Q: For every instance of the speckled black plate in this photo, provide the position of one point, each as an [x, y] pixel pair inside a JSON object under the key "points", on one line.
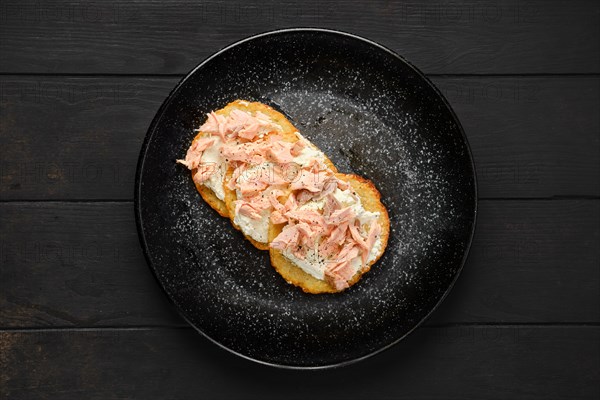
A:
{"points": [[374, 115]]}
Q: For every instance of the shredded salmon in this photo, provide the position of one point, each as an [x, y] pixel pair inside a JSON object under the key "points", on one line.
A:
{"points": [[266, 178]]}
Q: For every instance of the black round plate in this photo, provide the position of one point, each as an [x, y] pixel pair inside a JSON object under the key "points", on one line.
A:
{"points": [[374, 115]]}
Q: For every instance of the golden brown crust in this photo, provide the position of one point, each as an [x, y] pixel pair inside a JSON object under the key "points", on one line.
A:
{"points": [[207, 194], [292, 273], [370, 198], [371, 201], [287, 133], [367, 191], [230, 198], [211, 198]]}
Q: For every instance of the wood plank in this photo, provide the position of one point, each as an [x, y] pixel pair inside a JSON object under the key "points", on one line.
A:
{"points": [[71, 138], [531, 261], [79, 264], [150, 37], [480, 362], [530, 137], [76, 265], [79, 138]]}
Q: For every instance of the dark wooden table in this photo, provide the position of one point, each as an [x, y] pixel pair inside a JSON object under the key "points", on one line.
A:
{"points": [[81, 317]]}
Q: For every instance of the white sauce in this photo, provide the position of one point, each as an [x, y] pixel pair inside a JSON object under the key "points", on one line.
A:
{"points": [[316, 205], [312, 263], [376, 250], [315, 265], [257, 229], [307, 154], [348, 199], [212, 155]]}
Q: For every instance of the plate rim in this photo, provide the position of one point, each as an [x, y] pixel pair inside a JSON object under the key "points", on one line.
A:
{"points": [[158, 116]]}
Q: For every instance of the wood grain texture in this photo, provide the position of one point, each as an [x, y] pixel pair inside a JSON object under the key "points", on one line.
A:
{"points": [[71, 138], [530, 137], [151, 37], [79, 138], [81, 316], [531, 261], [449, 363], [76, 265], [80, 265]]}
